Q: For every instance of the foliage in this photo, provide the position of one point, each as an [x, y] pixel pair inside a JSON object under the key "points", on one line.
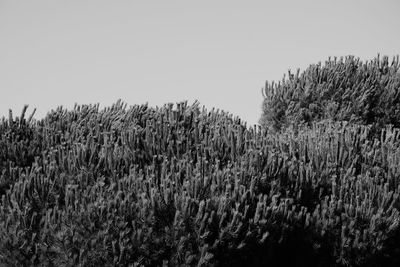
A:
{"points": [[339, 90], [183, 186]]}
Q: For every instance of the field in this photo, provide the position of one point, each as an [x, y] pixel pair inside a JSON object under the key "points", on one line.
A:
{"points": [[180, 185]]}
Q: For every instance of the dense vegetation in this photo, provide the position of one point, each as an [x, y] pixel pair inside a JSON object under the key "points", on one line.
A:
{"points": [[340, 90], [179, 185]]}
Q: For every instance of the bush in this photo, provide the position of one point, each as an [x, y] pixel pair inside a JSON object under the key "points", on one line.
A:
{"points": [[339, 90], [183, 186]]}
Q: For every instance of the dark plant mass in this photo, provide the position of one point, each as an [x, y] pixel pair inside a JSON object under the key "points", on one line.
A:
{"points": [[317, 184], [344, 89]]}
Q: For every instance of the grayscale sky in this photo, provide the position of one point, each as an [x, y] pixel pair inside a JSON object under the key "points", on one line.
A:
{"points": [[220, 52]]}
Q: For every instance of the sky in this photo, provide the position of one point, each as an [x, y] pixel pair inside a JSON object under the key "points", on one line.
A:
{"points": [[220, 53]]}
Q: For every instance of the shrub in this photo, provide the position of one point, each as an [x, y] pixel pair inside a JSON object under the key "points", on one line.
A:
{"points": [[339, 90], [183, 186]]}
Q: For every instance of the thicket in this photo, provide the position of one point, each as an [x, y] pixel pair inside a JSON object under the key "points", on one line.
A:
{"points": [[183, 186], [339, 90]]}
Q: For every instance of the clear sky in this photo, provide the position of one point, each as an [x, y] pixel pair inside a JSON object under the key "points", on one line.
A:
{"points": [[220, 52]]}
